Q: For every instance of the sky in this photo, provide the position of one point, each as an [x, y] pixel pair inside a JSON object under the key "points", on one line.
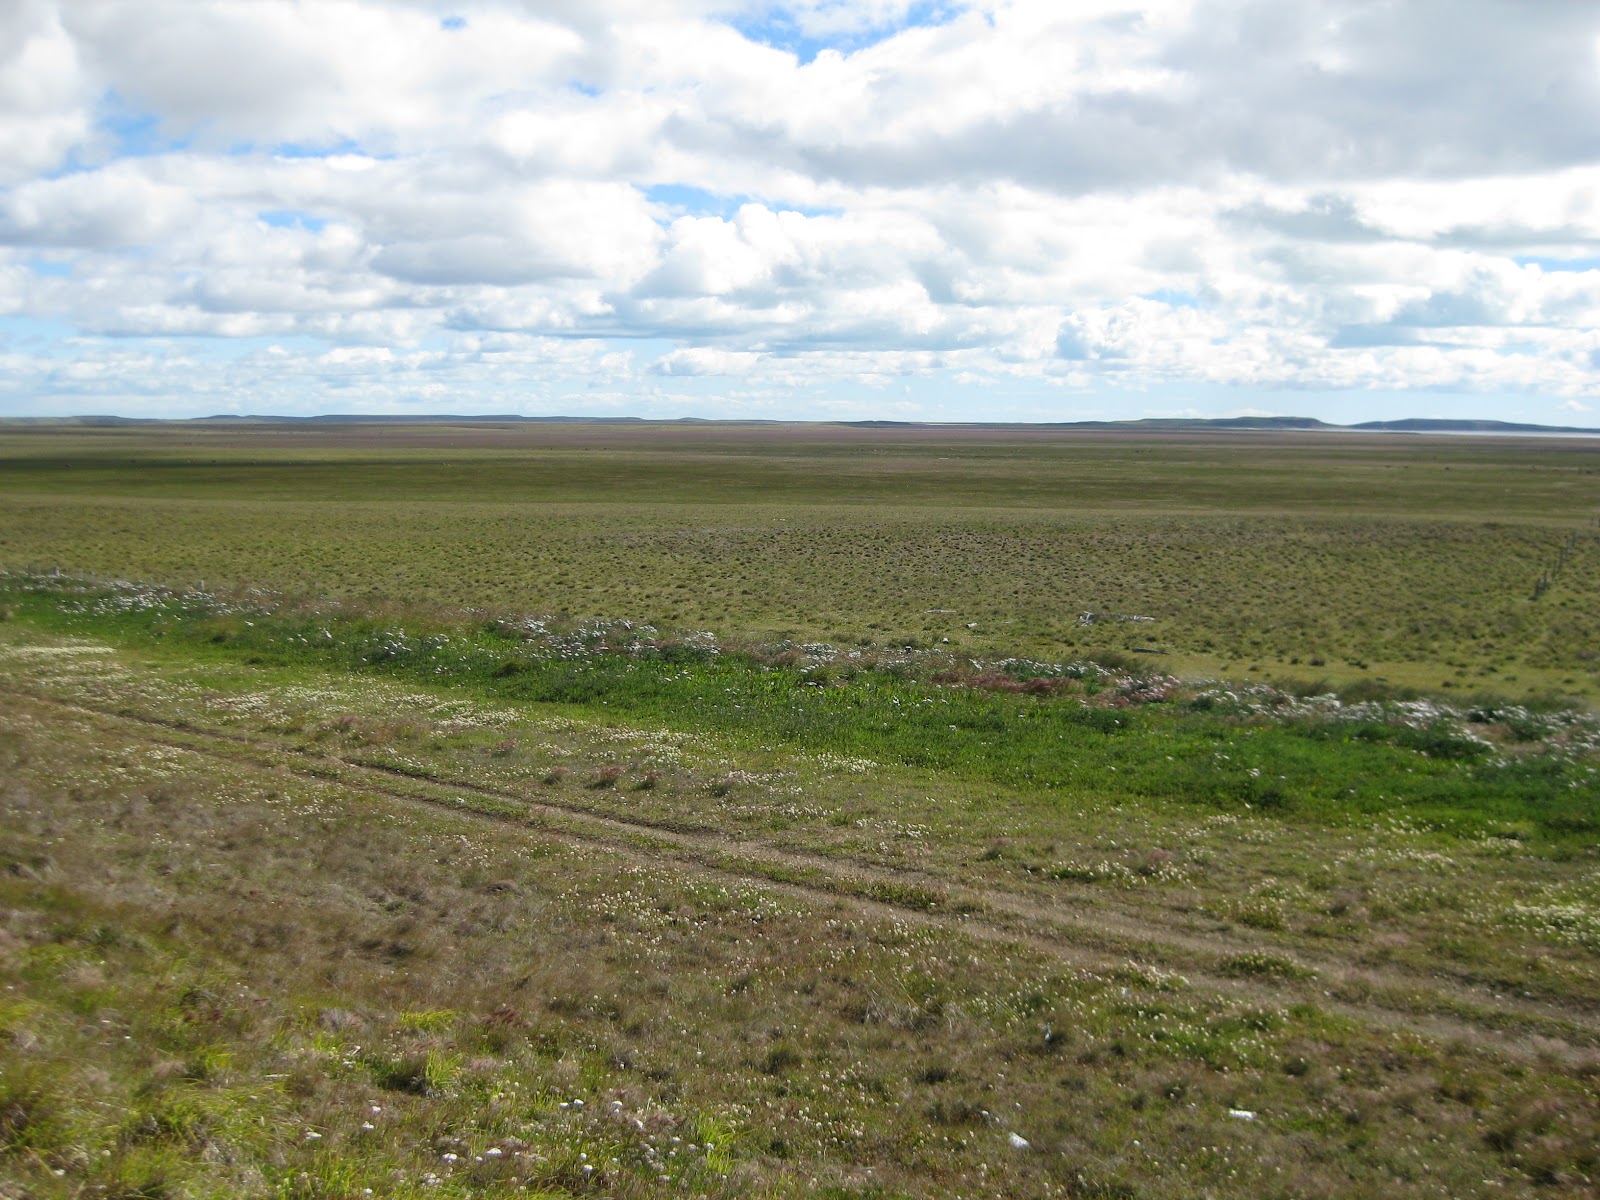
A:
{"points": [[920, 210]]}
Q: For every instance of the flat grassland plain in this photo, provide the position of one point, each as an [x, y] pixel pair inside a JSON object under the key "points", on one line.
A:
{"points": [[738, 811]]}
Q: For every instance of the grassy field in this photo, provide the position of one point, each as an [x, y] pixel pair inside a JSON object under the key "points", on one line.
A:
{"points": [[603, 811], [1313, 555]]}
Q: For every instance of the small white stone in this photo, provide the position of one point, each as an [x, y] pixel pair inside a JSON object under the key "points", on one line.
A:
{"points": [[1241, 1114], [1018, 1142]]}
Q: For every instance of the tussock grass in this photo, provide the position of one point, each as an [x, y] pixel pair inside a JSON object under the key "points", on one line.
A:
{"points": [[1409, 558], [206, 964], [306, 896]]}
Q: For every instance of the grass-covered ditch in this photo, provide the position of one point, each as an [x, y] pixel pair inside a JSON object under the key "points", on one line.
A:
{"points": [[1102, 731]]}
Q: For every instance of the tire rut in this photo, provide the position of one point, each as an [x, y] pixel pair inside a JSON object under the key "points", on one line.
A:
{"points": [[1100, 941]]}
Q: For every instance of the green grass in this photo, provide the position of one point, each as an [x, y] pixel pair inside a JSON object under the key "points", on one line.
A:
{"points": [[1410, 558], [226, 979], [497, 822], [1207, 751]]}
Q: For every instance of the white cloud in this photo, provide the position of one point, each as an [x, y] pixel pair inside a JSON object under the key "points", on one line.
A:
{"points": [[511, 234], [114, 207], [1194, 192], [703, 360], [384, 75], [44, 96]]}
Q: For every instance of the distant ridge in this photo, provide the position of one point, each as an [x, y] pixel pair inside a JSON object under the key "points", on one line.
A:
{"points": [[1178, 423], [1151, 424], [1434, 425]]}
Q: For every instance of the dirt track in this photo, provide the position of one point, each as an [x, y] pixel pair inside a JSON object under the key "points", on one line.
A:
{"points": [[1100, 935]]}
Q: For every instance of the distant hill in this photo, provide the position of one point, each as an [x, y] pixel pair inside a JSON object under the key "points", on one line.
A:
{"points": [[1178, 423], [1153, 424], [1141, 423], [1438, 425], [419, 419]]}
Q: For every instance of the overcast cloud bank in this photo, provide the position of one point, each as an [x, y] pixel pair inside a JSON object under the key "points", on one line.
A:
{"points": [[1026, 210]]}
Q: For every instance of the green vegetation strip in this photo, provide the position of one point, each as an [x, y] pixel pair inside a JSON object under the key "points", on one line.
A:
{"points": [[1077, 730]]}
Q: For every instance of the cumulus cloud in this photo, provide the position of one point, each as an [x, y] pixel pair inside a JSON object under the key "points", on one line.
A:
{"points": [[511, 234], [45, 96], [114, 207], [532, 200], [267, 71], [703, 360]]}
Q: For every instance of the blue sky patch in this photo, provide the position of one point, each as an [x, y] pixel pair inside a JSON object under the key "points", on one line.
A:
{"points": [[688, 200], [452, 23], [292, 218], [46, 333], [1590, 263], [780, 30], [49, 268], [685, 199], [138, 133], [312, 150], [1173, 299]]}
